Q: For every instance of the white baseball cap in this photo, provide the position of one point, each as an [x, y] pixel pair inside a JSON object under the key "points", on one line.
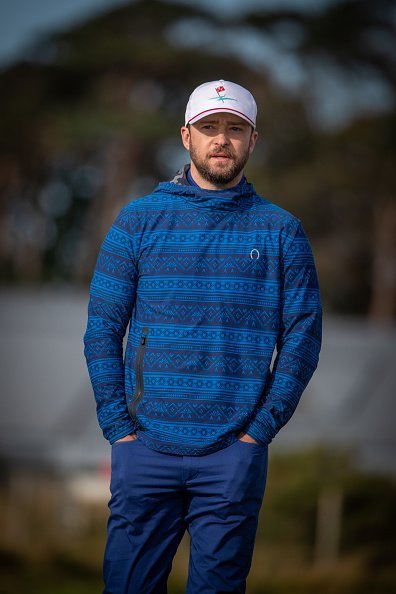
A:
{"points": [[220, 96]]}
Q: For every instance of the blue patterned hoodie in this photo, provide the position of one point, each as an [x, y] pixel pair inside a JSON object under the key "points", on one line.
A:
{"points": [[211, 283]]}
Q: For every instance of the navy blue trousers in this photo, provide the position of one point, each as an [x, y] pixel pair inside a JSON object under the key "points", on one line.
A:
{"points": [[155, 497]]}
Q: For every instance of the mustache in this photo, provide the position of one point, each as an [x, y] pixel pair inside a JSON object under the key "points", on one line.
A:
{"points": [[222, 151]]}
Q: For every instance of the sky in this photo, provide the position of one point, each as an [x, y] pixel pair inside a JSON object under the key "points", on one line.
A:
{"points": [[22, 22]]}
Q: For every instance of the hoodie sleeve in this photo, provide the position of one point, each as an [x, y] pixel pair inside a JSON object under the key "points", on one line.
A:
{"points": [[299, 339], [112, 297]]}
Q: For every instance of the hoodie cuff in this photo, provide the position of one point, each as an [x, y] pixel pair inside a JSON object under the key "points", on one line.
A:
{"points": [[122, 431], [260, 430]]}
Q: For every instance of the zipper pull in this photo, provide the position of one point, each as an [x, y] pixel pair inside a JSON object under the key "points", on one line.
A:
{"points": [[144, 336]]}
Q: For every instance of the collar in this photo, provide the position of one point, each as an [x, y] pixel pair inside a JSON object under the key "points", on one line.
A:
{"points": [[238, 197]]}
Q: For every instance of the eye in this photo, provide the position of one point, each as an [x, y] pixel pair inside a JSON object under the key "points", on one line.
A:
{"points": [[236, 129], [207, 126]]}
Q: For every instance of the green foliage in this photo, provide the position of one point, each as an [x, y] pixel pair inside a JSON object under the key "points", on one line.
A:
{"points": [[289, 514], [85, 125], [293, 487], [370, 518]]}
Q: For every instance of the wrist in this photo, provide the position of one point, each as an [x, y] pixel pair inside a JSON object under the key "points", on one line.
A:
{"points": [[129, 437], [246, 437]]}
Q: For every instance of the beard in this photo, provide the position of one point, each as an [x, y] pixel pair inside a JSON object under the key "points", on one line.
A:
{"points": [[224, 173]]}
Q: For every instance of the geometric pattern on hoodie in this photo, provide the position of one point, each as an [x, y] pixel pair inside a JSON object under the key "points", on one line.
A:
{"points": [[219, 285]]}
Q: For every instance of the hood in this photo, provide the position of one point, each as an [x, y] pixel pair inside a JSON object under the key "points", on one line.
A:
{"points": [[238, 198]]}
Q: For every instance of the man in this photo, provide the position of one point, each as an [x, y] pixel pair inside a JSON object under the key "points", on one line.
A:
{"points": [[211, 278]]}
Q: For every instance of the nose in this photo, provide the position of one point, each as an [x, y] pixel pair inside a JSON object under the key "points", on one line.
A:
{"points": [[222, 138]]}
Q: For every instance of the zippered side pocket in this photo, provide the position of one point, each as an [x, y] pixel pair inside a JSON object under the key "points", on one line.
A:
{"points": [[139, 389]]}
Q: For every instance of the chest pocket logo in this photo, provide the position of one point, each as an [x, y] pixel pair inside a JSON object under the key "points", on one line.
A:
{"points": [[254, 254]]}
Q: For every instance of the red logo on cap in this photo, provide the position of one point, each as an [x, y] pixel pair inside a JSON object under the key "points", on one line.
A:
{"points": [[220, 89]]}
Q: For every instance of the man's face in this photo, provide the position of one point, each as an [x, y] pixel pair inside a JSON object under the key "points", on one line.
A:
{"points": [[219, 147]]}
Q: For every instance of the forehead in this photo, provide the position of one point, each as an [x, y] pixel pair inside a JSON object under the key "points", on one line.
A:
{"points": [[229, 119]]}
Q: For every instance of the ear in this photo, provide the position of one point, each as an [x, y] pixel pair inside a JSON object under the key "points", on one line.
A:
{"points": [[185, 134], [253, 140]]}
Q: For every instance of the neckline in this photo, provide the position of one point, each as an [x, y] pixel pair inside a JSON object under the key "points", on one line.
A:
{"points": [[235, 198]]}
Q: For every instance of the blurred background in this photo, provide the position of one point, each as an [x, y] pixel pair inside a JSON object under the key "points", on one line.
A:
{"points": [[92, 96]]}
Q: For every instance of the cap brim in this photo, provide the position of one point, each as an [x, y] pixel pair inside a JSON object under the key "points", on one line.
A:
{"points": [[207, 112]]}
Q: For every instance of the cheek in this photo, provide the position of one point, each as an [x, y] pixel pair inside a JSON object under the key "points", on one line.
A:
{"points": [[241, 148], [201, 149]]}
